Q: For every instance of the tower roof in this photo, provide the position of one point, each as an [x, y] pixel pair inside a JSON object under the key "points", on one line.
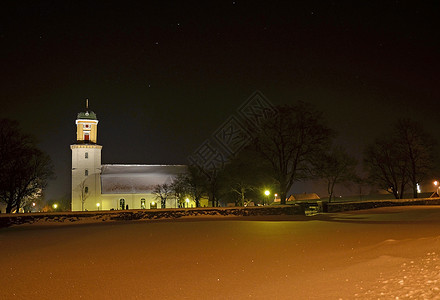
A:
{"points": [[88, 115]]}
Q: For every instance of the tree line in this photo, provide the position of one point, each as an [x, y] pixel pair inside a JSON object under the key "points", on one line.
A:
{"points": [[295, 144], [24, 168]]}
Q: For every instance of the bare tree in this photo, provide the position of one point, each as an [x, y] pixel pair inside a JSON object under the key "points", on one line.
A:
{"points": [[163, 192], [240, 186], [387, 166], [417, 147], [192, 183], [213, 186], [245, 175], [31, 200], [289, 140], [403, 156], [178, 188], [84, 193], [24, 169], [335, 166]]}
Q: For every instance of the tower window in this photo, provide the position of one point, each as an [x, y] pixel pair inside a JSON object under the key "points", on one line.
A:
{"points": [[86, 189], [86, 172], [86, 155]]}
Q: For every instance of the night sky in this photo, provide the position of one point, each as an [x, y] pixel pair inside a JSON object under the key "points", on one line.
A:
{"points": [[162, 76]]}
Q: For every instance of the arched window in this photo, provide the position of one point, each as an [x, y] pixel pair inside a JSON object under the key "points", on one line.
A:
{"points": [[86, 172], [86, 189], [122, 203], [143, 203], [86, 155]]}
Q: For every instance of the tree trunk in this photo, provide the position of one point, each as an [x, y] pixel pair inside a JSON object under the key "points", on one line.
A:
{"points": [[283, 198], [402, 190], [284, 189], [414, 177], [8, 208], [330, 189], [17, 206], [212, 199]]}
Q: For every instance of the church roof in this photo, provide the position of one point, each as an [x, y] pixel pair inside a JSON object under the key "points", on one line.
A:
{"points": [[88, 115], [303, 197], [137, 179]]}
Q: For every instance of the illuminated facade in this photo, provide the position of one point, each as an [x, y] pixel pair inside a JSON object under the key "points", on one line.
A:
{"points": [[104, 187]]}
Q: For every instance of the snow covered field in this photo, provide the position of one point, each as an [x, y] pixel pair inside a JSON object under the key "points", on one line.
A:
{"points": [[385, 253]]}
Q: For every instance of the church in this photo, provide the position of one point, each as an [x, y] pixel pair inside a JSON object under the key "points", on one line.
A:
{"points": [[113, 186]]}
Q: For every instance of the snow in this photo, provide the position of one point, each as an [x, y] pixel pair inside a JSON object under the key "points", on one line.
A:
{"points": [[385, 253], [123, 179]]}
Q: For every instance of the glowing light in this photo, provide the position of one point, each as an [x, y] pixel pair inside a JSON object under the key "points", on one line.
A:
{"points": [[187, 200], [55, 206], [266, 192], [33, 204], [97, 204], [436, 183], [152, 203]]}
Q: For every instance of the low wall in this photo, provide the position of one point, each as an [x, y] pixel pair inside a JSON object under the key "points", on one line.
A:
{"points": [[346, 206], [150, 214]]}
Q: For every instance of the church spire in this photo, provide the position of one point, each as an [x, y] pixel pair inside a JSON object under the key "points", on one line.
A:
{"points": [[86, 126]]}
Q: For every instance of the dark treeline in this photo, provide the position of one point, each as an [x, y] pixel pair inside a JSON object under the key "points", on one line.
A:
{"points": [[24, 168], [294, 144]]}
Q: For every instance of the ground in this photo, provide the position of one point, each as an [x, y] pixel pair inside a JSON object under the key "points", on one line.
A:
{"points": [[385, 253]]}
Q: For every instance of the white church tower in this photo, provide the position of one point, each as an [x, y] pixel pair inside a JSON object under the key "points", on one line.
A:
{"points": [[86, 163]]}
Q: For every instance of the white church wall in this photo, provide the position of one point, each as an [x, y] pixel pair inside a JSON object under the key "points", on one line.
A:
{"points": [[134, 201], [86, 170]]}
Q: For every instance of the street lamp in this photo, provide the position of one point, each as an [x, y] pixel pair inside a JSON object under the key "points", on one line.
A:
{"points": [[436, 183], [267, 193], [98, 205], [187, 202], [55, 206]]}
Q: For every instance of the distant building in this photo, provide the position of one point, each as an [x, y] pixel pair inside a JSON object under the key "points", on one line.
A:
{"points": [[303, 197], [112, 186], [300, 197]]}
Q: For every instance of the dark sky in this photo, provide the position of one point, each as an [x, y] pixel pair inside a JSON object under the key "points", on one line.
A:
{"points": [[162, 76]]}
